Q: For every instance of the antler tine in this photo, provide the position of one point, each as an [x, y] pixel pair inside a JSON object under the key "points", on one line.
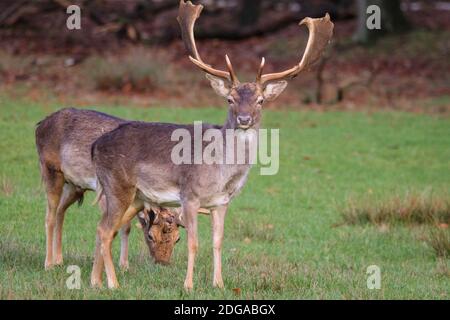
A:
{"points": [[208, 69], [320, 33], [187, 15], [260, 70], [233, 76]]}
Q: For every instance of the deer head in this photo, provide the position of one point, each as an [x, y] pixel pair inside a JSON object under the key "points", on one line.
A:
{"points": [[246, 99], [161, 233]]}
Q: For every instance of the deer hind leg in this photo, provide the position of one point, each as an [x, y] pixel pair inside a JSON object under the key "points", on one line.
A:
{"points": [[69, 195], [54, 182], [190, 210], [97, 269], [106, 231], [124, 235], [112, 220], [217, 222]]}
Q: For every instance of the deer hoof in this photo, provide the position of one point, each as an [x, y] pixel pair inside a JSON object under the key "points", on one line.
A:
{"points": [[48, 265], [96, 284], [188, 286], [124, 265], [218, 284], [113, 284]]}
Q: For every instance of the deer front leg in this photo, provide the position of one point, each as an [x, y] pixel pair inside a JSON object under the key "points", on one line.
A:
{"points": [[107, 233], [217, 221], [190, 215], [107, 239], [124, 235]]}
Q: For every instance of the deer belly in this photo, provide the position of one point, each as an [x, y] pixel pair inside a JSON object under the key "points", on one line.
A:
{"points": [[80, 178], [77, 168], [216, 200], [168, 197]]}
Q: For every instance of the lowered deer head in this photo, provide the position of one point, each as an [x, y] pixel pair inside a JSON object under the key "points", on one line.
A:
{"points": [[246, 99], [160, 232]]}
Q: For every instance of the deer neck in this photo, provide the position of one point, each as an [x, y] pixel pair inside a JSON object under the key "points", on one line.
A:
{"points": [[239, 135]]}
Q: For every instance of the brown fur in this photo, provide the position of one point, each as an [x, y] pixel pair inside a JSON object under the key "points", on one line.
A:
{"points": [[63, 141], [134, 168]]}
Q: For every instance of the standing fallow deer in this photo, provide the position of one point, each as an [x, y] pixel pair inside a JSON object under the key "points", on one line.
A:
{"points": [[134, 166], [63, 141]]}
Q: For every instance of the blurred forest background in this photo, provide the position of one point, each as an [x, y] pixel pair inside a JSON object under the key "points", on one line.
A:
{"points": [[130, 50]]}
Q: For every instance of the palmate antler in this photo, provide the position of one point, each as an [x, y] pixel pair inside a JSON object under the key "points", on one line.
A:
{"points": [[320, 33], [187, 15]]}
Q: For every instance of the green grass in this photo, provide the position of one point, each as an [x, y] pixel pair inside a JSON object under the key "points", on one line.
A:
{"points": [[281, 241]]}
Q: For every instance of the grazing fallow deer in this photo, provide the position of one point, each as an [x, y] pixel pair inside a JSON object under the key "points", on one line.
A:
{"points": [[63, 141], [134, 166]]}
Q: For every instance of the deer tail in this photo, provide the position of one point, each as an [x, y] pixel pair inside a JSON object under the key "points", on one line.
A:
{"points": [[99, 193]]}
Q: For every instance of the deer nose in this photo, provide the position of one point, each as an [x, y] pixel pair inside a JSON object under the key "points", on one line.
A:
{"points": [[244, 120]]}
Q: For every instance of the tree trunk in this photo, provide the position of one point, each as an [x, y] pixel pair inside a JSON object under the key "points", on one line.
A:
{"points": [[392, 20]]}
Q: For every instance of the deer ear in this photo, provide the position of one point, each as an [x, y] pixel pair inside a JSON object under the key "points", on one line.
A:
{"points": [[154, 216], [274, 89], [219, 85], [143, 219], [178, 214]]}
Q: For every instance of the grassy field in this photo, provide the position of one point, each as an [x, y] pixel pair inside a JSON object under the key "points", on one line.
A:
{"points": [[284, 236]]}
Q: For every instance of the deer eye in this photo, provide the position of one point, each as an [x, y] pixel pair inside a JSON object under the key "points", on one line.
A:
{"points": [[260, 101], [230, 101], [178, 240], [150, 237]]}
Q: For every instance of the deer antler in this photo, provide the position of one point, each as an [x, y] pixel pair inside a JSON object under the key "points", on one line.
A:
{"points": [[320, 33], [187, 15]]}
